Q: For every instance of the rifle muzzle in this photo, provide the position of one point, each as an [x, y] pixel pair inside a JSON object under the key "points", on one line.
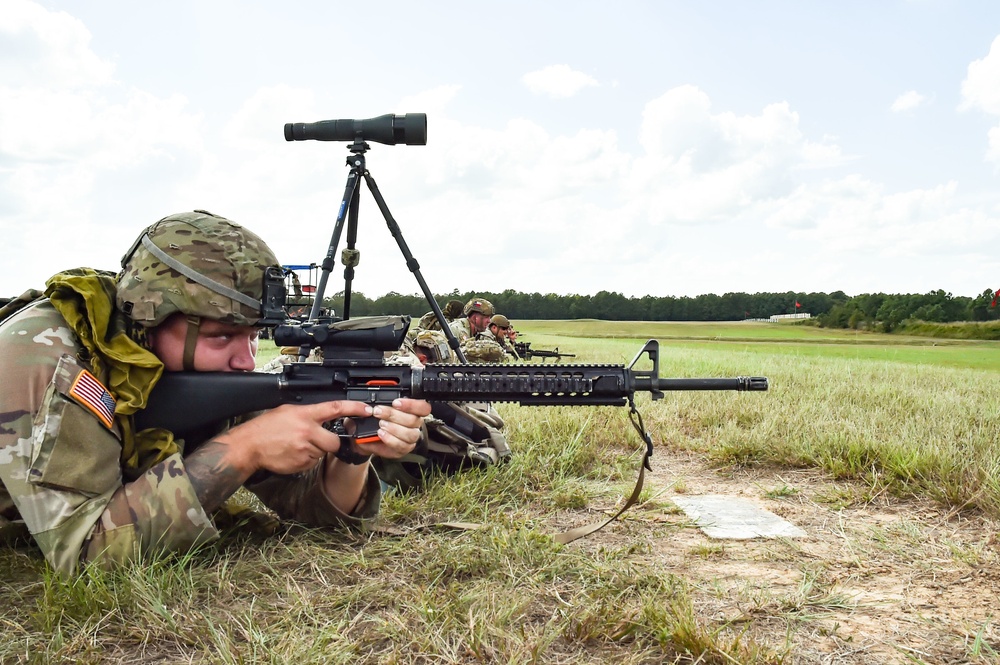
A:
{"points": [[739, 384]]}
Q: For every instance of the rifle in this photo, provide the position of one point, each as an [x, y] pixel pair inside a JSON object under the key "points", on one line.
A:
{"points": [[524, 350], [194, 405], [354, 368]]}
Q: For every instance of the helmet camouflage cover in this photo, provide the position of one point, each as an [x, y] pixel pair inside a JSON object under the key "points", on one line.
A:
{"points": [[453, 309], [434, 344], [480, 305], [196, 263]]}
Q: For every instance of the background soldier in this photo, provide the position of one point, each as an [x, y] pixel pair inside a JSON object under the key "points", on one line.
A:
{"points": [[498, 332], [451, 311], [467, 329], [475, 319]]}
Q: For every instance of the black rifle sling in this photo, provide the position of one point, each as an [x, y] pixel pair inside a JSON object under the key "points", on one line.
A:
{"points": [[573, 534], [580, 532]]}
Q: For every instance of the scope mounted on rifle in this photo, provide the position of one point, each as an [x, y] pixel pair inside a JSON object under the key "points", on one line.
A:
{"points": [[352, 341]]}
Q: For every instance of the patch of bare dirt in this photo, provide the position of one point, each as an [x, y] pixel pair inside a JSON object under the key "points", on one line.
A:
{"points": [[878, 579]]}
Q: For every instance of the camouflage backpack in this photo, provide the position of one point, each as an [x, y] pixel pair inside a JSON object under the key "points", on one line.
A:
{"points": [[11, 306], [458, 437]]}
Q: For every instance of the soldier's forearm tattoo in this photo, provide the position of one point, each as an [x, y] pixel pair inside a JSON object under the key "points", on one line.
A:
{"points": [[214, 480]]}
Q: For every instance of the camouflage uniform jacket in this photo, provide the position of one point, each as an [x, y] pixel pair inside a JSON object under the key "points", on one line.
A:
{"points": [[505, 352], [60, 469], [429, 321], [461, 328]]}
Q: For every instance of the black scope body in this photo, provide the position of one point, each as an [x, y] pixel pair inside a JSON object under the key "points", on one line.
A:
{"points": [[408, 129], [340, 335]]}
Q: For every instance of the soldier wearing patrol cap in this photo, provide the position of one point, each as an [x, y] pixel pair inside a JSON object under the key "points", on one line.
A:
{"points": [[497, 331], [76, 364], [499, 325]]}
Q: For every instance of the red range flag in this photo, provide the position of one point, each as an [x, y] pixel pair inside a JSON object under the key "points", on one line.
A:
{"points": [[797, 305], [995, 297]]}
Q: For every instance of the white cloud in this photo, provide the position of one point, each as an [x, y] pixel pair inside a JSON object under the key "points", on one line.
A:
{"points": [[557, 81], [432, 101], [76, 147], [907, 101], [856, 215], [981, 87], [703, 167], [47, 48], [61, 103], [993, 141], [981, 90]]}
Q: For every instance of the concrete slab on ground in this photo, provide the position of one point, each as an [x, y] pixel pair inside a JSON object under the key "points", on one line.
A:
{"points": [[735, 518]]}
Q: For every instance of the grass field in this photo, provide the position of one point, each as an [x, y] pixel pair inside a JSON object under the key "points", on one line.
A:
{"points": [[770, 338], [878, 419]]}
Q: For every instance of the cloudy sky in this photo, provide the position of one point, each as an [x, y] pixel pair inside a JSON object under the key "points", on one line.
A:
{"points": [[659, 147]]}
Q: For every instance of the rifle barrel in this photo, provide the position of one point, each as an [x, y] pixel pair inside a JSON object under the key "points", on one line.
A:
{"points": [[739, 383]]}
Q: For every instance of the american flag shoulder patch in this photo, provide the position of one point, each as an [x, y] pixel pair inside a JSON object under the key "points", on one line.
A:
{"points": [[93, 396]]}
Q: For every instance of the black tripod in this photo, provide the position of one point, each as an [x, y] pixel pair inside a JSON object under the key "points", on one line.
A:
{"points": [[350, 256]]}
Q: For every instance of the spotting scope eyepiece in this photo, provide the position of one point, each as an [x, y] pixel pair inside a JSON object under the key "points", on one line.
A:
{"points": [[408, 129]]}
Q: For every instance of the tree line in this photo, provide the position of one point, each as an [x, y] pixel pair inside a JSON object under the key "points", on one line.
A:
{"points": [[874, 311]]}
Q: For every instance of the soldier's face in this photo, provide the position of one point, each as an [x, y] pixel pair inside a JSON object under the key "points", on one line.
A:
{"points": [[479, 321], [221, 347]]}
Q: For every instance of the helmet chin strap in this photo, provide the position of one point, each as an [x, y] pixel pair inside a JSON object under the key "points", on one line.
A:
{"points": [[191, 341]]}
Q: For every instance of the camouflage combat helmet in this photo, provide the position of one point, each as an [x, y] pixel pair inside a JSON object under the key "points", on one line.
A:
{"points": [[197, 263], [480, 305], [433, 344], [453, 310]]}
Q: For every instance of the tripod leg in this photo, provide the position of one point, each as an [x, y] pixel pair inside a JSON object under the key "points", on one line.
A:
{"points": [[413, 265], [350, 254], [349, 202]]}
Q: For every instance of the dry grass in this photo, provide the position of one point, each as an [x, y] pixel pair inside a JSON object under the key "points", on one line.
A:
{"points": [[891, 468]]}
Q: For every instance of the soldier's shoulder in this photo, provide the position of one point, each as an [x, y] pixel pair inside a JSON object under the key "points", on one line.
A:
{"points": [[428, 322], [39, 318], [38, 327]]}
